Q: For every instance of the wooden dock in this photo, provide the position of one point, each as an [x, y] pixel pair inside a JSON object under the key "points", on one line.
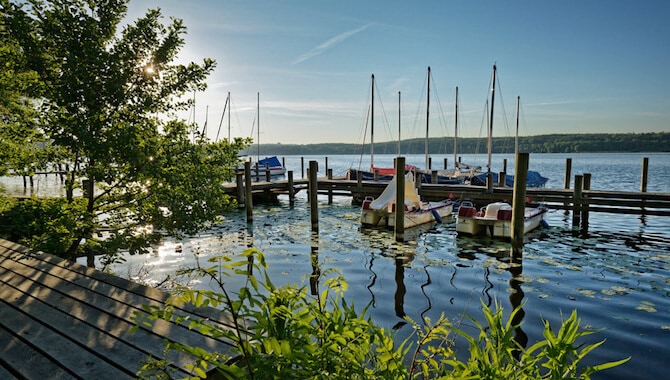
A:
{"points": [[641, 203], [62, 320]]}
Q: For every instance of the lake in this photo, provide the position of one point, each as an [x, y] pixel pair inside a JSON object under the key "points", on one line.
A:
{"points": [[617, 276]]}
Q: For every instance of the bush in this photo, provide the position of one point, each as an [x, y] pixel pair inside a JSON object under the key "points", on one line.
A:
{"points": [[286, 333], [47, 225]]}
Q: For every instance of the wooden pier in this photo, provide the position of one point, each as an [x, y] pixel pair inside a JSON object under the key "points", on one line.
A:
{"points": [[621, 202], [62, 320]]}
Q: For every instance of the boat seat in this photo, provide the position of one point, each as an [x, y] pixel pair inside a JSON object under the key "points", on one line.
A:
{"points": [[505, 214], [467, 211]]}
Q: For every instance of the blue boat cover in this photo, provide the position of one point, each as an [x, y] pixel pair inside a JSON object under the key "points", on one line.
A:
{"points": [[270, 161], [534, 179]]}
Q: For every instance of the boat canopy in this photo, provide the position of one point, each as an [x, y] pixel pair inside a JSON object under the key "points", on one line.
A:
{"points": [[388, 196], [270, 161]]}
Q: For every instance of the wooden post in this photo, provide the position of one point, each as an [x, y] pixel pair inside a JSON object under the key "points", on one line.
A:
{"points": [[267, 172], [568, 170], [502, 179], [430, 163], [433, 176], [586, 185], [291, 189], [400, 200], [248, 199], [446, 166], [329, 175], [489, 182], [376, 175], [519, 203], [327, 165], [313, 192], [645, 171], [577, 201], [302, 167], [239, 180], [505, 165]]}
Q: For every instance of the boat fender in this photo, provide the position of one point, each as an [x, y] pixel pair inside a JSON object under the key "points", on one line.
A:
{"points": [[437, 216], [544, 223]]}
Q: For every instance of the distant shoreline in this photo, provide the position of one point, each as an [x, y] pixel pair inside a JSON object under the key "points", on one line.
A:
{"points": [[554, 143]]}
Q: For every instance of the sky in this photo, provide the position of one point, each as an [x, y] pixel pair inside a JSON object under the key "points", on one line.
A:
{"points": [[596, 66]]}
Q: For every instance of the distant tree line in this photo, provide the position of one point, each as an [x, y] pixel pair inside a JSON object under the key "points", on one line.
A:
{"points": [[556, 143]]}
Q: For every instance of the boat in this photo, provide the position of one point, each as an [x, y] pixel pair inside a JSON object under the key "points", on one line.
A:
{"points": [[261, 167], [495, 219], [376, 172], [380, 211], [535, 179]]}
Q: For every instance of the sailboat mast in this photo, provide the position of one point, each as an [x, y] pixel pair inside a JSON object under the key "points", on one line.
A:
{"points": [[490, 134], [372, 125], [229, 109], [516, 136], [258, 130], [398, 123], [456, 132], [427, 118]]}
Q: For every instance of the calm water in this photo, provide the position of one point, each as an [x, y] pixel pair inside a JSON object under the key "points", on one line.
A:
{"points": [[617, 276]]}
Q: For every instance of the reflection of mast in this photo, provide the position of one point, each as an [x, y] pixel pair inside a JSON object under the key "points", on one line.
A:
{"points": [[423, 290]]}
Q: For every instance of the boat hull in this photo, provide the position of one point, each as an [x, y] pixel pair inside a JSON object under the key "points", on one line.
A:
{"points": [[495, 223]]}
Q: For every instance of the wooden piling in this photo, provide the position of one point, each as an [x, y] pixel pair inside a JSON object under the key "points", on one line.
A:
{"points": [[586, 185], [501, 179], [519, 203], [577, 201], [302, 167], [446, 162], [313, 193], [239, 182], [433, 176], [329, 175], [291, 189], [645, 171], [568, 170], [489, 182], [267, 172], [400, 200], [248, 197]]}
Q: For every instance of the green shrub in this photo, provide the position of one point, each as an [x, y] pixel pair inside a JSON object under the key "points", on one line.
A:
{"points": [[47, 225], [285, 333]]}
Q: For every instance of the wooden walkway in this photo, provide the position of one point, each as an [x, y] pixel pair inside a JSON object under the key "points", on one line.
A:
{"points": [[620, 202], [62, 320]]}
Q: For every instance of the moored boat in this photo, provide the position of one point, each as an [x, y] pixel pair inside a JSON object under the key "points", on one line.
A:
{"points": [[380, 211], [495, 220]]}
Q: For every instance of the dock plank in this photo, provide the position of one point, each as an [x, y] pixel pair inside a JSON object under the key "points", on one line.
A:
{"points": [[76, 321]]}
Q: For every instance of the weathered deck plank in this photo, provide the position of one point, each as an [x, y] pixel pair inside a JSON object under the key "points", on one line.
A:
{"points": [[74, 322]]}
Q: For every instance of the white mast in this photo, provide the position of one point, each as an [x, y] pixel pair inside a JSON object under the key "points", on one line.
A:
{"points": [[427, 118], [490, 134], [456, 132], [372, 125]]}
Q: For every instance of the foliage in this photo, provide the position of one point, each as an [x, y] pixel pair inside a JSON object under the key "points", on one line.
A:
{"points": [[108, 106], [286, 333], [47, 225], [555, 143]]}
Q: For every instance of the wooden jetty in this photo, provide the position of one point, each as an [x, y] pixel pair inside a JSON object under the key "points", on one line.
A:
{"points": [[62, 320], [578, 199]]}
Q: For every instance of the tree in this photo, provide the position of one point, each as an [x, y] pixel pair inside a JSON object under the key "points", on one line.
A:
{"points": [[109, 105]]}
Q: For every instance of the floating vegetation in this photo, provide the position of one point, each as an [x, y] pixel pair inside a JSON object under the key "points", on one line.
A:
{"points": [[646, 306]]}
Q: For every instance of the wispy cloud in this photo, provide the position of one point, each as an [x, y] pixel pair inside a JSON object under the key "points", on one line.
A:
{"points": [[330, 43]]}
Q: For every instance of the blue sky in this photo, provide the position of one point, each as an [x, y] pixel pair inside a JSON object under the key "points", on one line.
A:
{"points": [[578, 66]]}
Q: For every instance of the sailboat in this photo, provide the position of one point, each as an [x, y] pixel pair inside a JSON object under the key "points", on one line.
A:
{"points": [[534, 178], [495, 219], [270, 165], [377, 172], [380, 211]]}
